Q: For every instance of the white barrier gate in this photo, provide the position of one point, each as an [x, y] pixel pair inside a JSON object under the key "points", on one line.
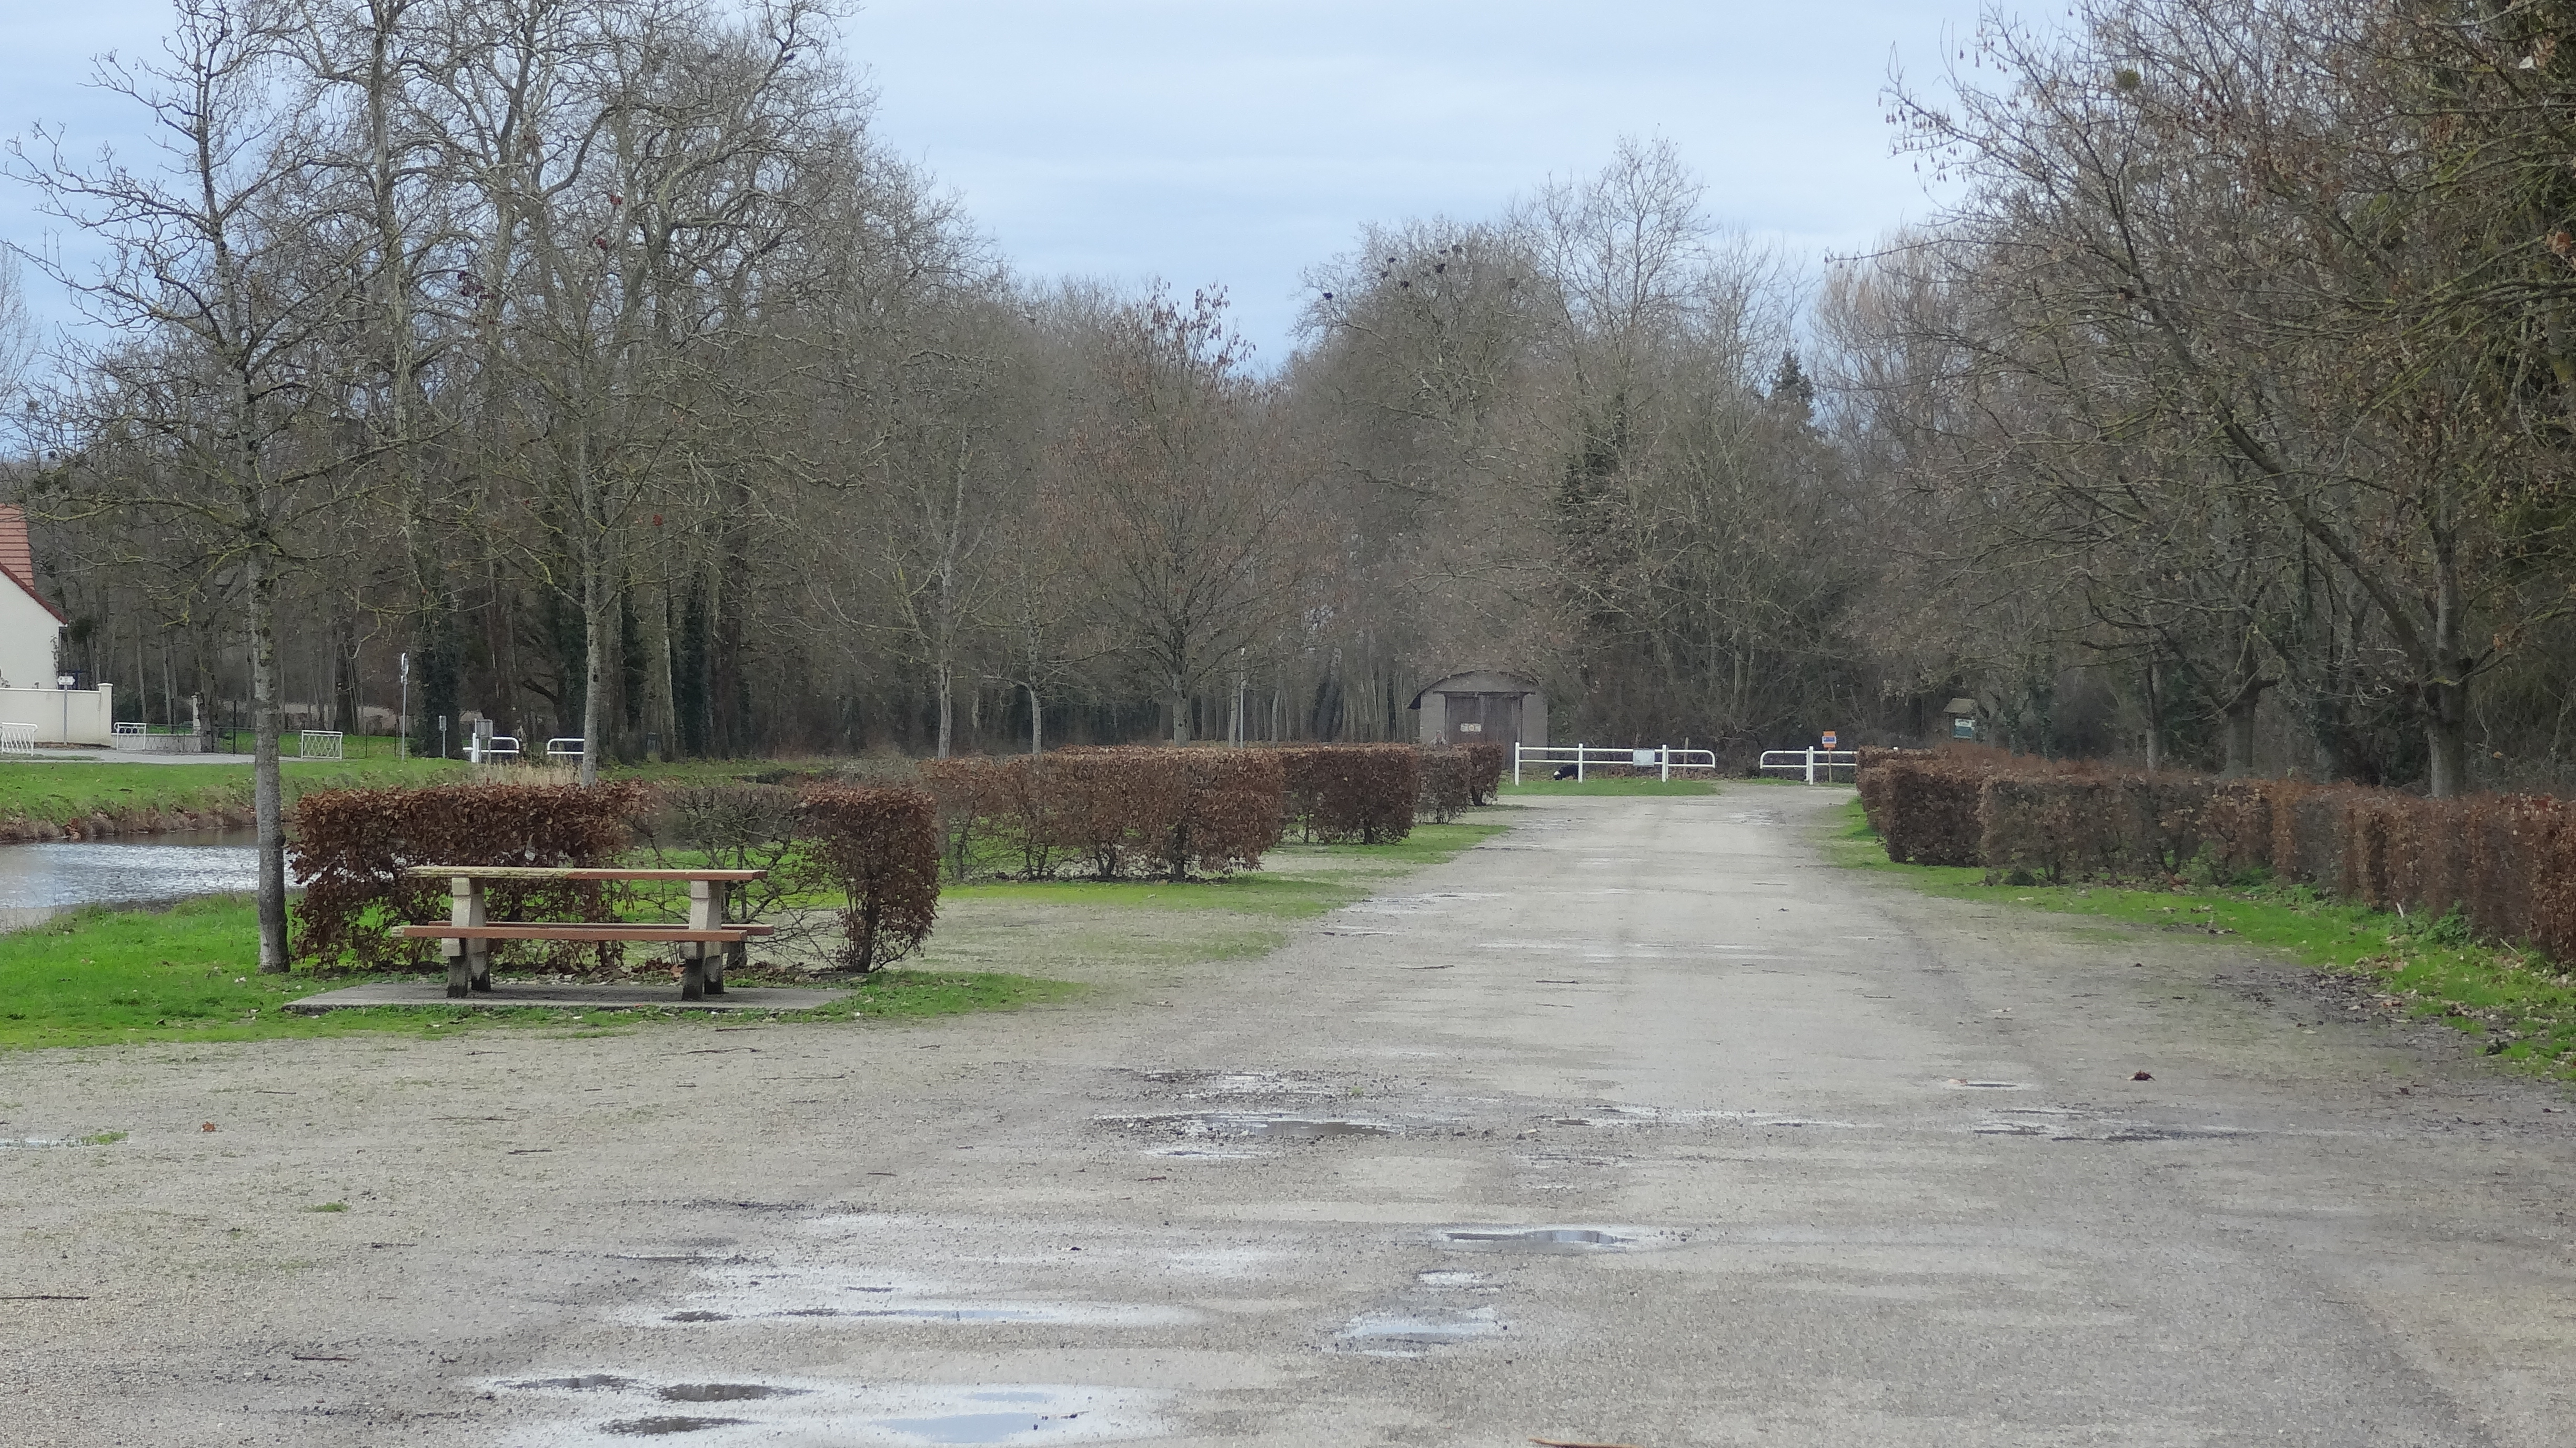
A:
{"points": [[318, 744], [1810, 761], [18, 739], [1663, 759]]}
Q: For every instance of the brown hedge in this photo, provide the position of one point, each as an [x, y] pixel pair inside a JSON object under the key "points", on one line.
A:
{"points": [[1448, 785], [350, 846], [1485, 766], [881, 846], [1344, 792], [1111, 811], [2508, 863]]}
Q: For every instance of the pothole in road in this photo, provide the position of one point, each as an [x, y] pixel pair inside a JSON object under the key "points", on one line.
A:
{"points": [[833, 1412], [1535, 1239], [727, 1392], [1254, 1124], [1412, 1334]]}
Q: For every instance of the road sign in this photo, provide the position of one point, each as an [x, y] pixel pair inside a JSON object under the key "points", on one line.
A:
{"points": [[1832, 740]]}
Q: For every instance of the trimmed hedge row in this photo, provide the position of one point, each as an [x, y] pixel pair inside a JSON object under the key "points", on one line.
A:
{"points": [[2507, 862], [1111, 811], [1337, 793], [349, 847]]}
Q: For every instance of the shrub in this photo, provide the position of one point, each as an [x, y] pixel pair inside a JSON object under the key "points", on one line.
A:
{"points": [[738, 827], [351, 846], [1485, 765], [1343, 792], [1117, 810], [881, 846], [1448, 787]]}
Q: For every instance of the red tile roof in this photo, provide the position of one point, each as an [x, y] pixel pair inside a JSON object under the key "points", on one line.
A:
{"points": [[18, 557]]}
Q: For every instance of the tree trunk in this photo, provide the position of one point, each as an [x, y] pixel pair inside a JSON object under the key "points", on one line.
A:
{"points": [[947, 707], [1180, 701], [1037, 733], [594, 625], [268, 795], [2237, 735], [2446, 736]]}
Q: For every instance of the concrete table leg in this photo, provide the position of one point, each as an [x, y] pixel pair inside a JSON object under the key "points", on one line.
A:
{"points": [[706, 912], [469, 962], [693, 970]]}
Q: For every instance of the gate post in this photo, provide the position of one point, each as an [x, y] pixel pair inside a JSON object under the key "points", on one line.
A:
{"points": [[1664, 757], [1516, 761], [1811, 765], [1578, 762]]}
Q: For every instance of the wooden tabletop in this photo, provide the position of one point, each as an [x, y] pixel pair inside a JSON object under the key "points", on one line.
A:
{"points": [[568, 872]]}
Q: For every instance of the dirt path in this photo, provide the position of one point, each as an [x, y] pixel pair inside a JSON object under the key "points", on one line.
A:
{"points": [[1638, 1125]]}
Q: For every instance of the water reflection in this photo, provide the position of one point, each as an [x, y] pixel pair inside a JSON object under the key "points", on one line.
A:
{"points": [[37, 881]]}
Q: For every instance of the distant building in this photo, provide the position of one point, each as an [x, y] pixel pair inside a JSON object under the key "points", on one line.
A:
{"points": [[31, 635], [1482, 706]]}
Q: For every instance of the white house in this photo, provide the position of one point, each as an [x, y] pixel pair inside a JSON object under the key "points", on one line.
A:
{"points": [[31, 632]]}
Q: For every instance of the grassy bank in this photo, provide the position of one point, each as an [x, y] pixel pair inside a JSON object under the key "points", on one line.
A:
{"points": [[2519, 1005], [135, 796], [189, 973]]}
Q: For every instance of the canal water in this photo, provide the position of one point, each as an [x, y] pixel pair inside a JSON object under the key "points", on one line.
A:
{"points": [[42, 880]]}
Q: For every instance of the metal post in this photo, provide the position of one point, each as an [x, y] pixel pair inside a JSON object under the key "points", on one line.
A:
{"points": [[1664, 756], [1578, 761], [402, 722], [1811, 766], [1516, 762]]}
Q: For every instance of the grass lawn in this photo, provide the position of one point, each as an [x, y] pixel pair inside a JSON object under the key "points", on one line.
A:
{"points": [[2520, 1004], [189, 973], [65, 790]]}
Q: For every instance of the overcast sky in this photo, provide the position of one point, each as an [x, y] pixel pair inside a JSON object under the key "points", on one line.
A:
{"points": [[1238, 142]]}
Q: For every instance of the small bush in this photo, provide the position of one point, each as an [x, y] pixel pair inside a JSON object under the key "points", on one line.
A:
{"points": [[882, 847], [1485, 766], [1447, 785]]}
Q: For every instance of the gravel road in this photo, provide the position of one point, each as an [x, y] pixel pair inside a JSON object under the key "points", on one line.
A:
{"points": [[1640, 1125]]}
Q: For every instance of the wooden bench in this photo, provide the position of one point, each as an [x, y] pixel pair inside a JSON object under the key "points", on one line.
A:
{"points": [[466, 938]]}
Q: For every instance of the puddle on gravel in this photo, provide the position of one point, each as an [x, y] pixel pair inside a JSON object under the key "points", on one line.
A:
{"points": [[808, 1293], [666, 1425], [818, 1412], [1413, 1334], [726, 1392], [1957, 1084], [1535, 1239], [1257, 1125]]}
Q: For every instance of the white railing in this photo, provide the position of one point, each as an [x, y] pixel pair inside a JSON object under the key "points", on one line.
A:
{"points": [[18, 739], [134, 727], [1662, 759], [563, 749], [319, 744], [1812, 763], [493, 747]]}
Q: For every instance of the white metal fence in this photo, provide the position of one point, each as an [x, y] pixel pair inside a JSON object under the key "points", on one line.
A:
{"points": [[1818, 765], [319, 744], [563, 749], [1662, 759], [19, 739]]}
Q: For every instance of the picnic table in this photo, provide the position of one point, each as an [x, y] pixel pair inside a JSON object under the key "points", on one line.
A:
{"points": [[466, 939]]}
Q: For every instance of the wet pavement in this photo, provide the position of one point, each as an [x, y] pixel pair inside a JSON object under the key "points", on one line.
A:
{"points": [[1641, 1127]]}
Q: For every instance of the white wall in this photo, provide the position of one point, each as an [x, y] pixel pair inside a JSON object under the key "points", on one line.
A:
{"points": [[62, 716], [27, 636]]}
